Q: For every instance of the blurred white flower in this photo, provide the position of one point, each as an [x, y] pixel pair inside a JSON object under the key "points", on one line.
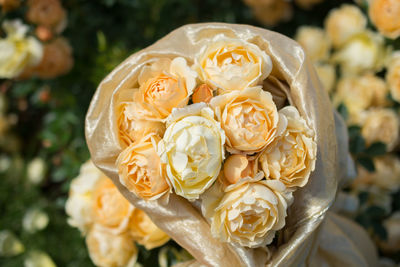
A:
{"points": [[10, 244], [35, 220], [38, 259], [36, 170], [17, 51]]}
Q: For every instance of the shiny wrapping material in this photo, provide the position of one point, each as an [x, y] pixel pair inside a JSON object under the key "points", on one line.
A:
{"points": [[299, 242]]}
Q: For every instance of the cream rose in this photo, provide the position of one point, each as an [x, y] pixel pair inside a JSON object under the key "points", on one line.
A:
{"points": [[131, 128], [385, 15], [140, 169], [381, 125], [250, 212], [164, 85], [342, 23], [327, 75], [291, 157], [145, 232], [232, 64], [314, 41], [111, 250], [393, 76], [110, 208], [249, 119], [79, 203], [362, 52], [17, 51], [192, 150]]}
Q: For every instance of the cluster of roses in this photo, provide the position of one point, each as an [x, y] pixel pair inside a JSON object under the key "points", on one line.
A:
{"points": [[212, 132], [23, 55], [111, 223]]}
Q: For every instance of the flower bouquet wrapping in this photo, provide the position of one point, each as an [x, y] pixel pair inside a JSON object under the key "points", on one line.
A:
{"points": [[223, 135]]}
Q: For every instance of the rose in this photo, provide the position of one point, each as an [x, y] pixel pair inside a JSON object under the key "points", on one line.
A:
{"points": [[131, 128], [79, 203], [237, 167], [232, 64], [17, 51], [393, 76], [8, 5], [326, 74], [250, 212], [380, 125], [49, 13], [110, 208], [192, 149], [342, 23], [362, 52], [164, 85], [111, 250], [249, 119], [291, 157], [314, 41], [271, 12], [145, 232], [203, 93], [385, 15], [140, 169]]}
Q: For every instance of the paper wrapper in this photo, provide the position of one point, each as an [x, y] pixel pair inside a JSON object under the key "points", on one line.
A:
{"points": [[293, 74]]}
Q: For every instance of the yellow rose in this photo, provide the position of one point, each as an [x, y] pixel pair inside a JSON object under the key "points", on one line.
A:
{"points": [[314, 41], [291, 157], [164, 85], [250, 212], [385, 14], [232, 64], [140, 169], [237, 167], [249, 119], [79, 205], [145, 232], [326, 74], [362, 52], [192, 149], [131, 128], [111, 250], [393, 76], [381, 125], [110, 208], [342, 23], [17, 51]]}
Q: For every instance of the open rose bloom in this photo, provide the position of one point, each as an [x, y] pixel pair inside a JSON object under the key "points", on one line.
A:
{"points": [[225, 137]]}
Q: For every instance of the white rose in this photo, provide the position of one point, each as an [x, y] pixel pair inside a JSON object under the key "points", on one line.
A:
{"points": [[192, 149], [291, 157], [17, 51], [314, 41], [36, 170], [79, 204], [35, 220], [251, 211], [343, 22], [232, 64]]}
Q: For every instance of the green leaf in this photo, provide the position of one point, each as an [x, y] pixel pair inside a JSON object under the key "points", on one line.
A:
{"points": [[357, 145], [375, 212], [367, 163], [363, 197], [342, 109], [376, 149], [354, 131], [380, 230]]}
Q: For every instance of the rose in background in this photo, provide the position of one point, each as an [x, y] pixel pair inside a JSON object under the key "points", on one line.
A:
{"points": [[109, 222]]}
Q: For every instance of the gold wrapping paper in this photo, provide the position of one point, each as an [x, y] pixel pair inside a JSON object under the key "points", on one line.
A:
{"points": [[179, 218]]}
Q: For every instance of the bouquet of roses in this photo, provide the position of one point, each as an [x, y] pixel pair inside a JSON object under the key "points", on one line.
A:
{"points": [[213, 132]]}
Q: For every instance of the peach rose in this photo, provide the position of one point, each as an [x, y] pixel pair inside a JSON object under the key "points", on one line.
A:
{"points": [[232, 64], [249, 119], [250, 212], [145, 232], [291, 157], [393, 76], [140, 169], [385, 14], [164, 85], [344, 22], [131, 128], [314, 41], [237, 167], [49, 13], [110, 208], [203, 93], [111, 250]]}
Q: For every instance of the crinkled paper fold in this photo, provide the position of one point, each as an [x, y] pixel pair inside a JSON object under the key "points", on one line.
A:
{"points": [[292, 77]]}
